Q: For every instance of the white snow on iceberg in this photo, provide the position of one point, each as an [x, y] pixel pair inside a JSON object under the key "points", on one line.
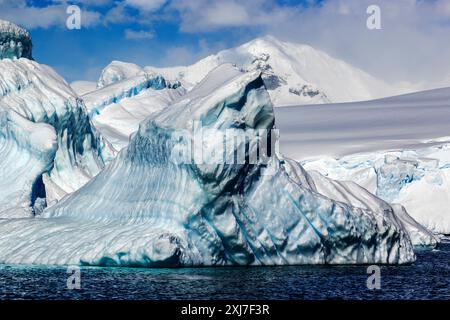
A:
{"points": [[145, 210], [122, 102], [38, 110]]}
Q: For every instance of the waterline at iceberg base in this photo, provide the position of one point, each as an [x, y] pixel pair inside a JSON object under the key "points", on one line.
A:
{"points": [[143, 210]]}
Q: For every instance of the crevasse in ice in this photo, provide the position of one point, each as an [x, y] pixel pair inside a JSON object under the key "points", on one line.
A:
{"points": [[144, 209]]}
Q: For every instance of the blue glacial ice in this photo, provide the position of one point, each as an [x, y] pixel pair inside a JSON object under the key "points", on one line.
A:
{"points": [[144, 209], [15, 42], [65, 199], [27, 151], [49, 147]]}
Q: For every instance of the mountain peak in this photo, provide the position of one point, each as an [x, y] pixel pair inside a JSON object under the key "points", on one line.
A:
{"points": [[269, 41]]}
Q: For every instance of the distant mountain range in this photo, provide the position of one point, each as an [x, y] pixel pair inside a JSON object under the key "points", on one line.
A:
{"points": [[293, 73]]}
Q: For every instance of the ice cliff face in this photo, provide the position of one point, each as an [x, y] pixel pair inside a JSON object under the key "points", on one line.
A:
{"points": [[15, 42], [144, 209], [48, 132], [27, 150]]}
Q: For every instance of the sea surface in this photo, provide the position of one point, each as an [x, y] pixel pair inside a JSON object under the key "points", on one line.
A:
{"points": [[427, 278]]}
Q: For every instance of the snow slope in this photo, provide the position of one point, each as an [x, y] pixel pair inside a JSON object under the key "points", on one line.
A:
{"points": [[126, 96], [398, 122], [397, 148], [147, 209], [293, 73], [83, 87]]}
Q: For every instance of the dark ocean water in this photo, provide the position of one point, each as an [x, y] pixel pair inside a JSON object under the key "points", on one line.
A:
{"points": [[428, 278]]}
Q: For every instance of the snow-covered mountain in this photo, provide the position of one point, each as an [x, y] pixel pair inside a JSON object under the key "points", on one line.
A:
{"points": [[293, 73]]}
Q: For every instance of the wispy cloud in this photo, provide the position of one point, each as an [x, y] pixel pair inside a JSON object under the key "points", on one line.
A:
{"points": [[412, 45], [146, 5], [205, 15], [139, 35], [54, 14]]}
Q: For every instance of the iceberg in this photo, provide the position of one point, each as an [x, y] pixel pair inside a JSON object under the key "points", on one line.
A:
{"points": [[38, 94], [147, 209], [352, 193], [27, 150], [117, 108], [15, 42], [34, 100]]}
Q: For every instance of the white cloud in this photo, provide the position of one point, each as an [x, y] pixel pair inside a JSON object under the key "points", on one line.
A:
{"points": [[43, 17], [412, 45], [186, 55], [205, 15], [146, 5], [117, 15], [139, 35]]}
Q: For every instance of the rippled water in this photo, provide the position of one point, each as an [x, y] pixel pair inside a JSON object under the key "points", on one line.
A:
{"points": [[428, 278]]}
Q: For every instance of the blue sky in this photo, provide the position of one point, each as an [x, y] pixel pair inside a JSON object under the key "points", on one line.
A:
{"points": [[412, 45], [147, 32]]}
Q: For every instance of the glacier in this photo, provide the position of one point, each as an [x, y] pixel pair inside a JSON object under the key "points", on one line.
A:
{"points": [[417, 179], [397, 148], [144, 209]]}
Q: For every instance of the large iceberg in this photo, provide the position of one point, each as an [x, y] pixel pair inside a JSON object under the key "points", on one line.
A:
{"points": [[48, 141], [148, 208]]}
